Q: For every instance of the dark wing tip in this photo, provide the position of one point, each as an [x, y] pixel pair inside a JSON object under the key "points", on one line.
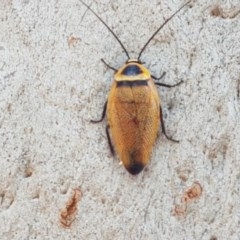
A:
{"points": [[135, 168]]}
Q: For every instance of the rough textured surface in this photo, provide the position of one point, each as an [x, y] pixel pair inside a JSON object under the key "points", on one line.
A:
{"points": [[52, 83]]}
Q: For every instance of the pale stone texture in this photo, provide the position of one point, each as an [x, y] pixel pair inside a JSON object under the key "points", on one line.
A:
{"points": [[52, 83]]}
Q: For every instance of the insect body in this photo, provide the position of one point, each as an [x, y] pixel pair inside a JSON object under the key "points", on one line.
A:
{"points": [[133, 112], [133, 109]]}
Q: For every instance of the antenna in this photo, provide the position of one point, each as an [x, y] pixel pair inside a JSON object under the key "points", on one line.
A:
{"points": [[156, 32], [107, 28]]}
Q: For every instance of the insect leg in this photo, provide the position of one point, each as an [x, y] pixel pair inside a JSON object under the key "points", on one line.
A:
{"points": [[109, 140], [166, 85], [103, 114], [159, 78], [114, 69], [163, 128], [163, 84]]}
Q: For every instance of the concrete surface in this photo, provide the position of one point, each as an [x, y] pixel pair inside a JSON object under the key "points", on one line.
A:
{"points": [[52, 83]]}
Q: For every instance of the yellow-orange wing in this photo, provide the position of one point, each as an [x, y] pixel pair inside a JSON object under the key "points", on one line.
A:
{"points": [[133, 117]]}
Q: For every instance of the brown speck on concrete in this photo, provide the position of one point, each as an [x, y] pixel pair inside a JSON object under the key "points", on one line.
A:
{"points": [[68, 213], [190, 194], [72, 40], [217, 11]]}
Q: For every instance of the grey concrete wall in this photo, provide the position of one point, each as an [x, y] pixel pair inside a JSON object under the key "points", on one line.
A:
{"points": [[52, 83]]}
